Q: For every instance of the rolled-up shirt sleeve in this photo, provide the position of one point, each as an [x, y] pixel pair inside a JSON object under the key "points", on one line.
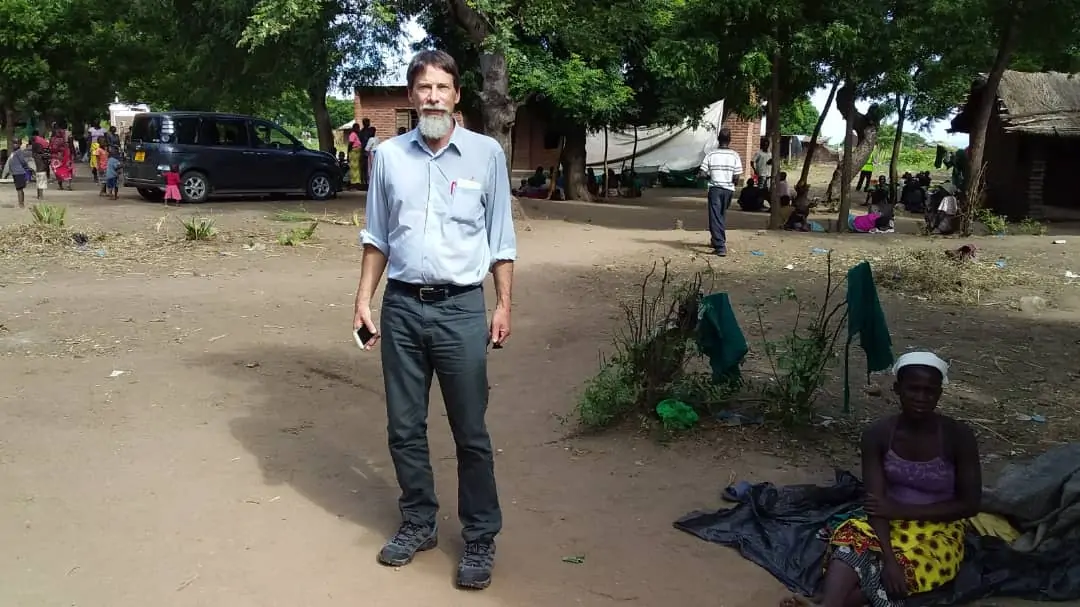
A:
{"points": [[376, 231], [500, 219]]}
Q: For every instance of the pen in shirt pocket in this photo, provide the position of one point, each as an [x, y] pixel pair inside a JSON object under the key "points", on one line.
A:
{"points": [[453, 186]]}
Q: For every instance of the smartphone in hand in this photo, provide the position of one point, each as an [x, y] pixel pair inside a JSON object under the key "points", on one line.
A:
{"points": [[362, 337]]}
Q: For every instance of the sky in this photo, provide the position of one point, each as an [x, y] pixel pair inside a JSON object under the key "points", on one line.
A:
{"points": [[834, 122]]}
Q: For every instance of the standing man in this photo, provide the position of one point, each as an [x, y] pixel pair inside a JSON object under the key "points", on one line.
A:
{"points": [[866, 174], [761, 163], [438, 221], [365, 165], [723, 167]]}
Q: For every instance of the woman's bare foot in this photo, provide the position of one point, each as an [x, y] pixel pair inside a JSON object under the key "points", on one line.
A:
{"points": [[795, 600]]}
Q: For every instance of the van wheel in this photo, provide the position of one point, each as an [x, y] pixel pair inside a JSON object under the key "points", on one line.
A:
{"points": [[152, 194], [194, 187], [319, 187]]}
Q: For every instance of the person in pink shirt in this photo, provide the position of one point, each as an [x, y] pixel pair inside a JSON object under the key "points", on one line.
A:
{"points": [[172, 185]]}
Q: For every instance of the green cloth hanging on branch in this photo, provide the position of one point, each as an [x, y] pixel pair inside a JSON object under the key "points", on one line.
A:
{"points": [[720, 338], [866, 320]]}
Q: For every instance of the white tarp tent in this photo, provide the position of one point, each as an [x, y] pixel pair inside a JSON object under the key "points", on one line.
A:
{"points": [[659, 149]]}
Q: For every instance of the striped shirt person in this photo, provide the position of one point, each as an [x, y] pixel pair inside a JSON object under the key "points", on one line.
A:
{"points": [[724, 169]]}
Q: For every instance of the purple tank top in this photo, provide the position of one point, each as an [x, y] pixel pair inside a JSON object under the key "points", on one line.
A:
{"points": [[919, 483]]}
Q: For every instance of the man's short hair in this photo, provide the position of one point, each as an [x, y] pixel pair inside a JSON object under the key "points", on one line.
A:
{"points": [[436, 59], [723, 138]]}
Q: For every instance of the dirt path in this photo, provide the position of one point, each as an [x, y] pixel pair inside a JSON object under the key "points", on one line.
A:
{"points": [[239, 456]]}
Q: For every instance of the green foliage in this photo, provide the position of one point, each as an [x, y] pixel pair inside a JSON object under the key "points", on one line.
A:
{"points": [[995, 224], [300, 216], [800, 360], [198, 228], [49, 215], [798, 117], [908, 140], [1031, 227], [609, 396], [295, 236], [654, 354]]}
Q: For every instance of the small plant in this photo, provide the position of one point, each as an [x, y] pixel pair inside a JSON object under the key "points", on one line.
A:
{"points": [[1031, 227], [48, 215], [357, 219], [653, 350], [800, 360], [300, 216], [994, 224], [609, 395], [199, 228], [295, 236]]}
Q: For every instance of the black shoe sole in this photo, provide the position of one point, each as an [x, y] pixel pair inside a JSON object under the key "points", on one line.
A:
{"points": [[428, 545], [475, 584]]}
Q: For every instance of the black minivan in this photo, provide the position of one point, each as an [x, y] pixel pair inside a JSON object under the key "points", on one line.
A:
{"points": [[224, 154]]}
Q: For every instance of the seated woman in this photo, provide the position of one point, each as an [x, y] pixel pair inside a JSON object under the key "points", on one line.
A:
{"points": [[922, 477]]}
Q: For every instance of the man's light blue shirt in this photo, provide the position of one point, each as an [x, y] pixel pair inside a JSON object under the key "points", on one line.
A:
{"points": [[440, 217]]}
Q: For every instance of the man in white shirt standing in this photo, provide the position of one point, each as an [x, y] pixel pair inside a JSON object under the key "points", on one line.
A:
{"points": [[724, 169], [438, 222]]}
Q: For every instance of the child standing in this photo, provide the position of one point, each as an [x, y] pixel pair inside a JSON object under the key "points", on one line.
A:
{"points": [[112, 177], [18, 167], [102, 159], [41, 163], [94, 147], [172, 185]]}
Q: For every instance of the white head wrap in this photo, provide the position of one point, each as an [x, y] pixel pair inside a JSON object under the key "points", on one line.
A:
{"points": [[923, 359]]}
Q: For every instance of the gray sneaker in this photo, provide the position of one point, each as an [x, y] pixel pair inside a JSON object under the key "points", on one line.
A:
{"points": [[474, 570], [409, 539]]}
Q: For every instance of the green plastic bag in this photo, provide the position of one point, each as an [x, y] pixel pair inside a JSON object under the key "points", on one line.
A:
{"points": [[676, 415]]}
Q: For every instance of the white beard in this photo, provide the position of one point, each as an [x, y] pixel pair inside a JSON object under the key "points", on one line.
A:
{"points": [[435, 126]]}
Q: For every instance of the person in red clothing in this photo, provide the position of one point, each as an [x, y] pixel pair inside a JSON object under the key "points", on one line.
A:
{"points": [[172, 185]]}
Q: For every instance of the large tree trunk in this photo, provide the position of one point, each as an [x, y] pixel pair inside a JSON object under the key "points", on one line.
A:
{"points": [[772, 133], [848, 105], [573, 163], [323, 124], [866, 131], [981, 117], [812, 146], [499, 110], [898, 139]]}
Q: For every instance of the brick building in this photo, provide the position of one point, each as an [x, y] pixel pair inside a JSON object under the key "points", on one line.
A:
{"points": [[534, 144]]}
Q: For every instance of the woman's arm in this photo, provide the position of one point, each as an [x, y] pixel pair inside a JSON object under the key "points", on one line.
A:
{"points": [[968, 480], [873, 469]]}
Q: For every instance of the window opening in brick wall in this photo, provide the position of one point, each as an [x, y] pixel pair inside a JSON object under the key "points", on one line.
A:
{"points": [[405, 119]]}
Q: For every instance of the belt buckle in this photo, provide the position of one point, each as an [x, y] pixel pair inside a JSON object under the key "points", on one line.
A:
{"points": [[431, 294]]}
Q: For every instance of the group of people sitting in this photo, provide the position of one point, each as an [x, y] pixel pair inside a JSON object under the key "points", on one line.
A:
{"points": [[938, 204], [552, 185], [756, 197]]}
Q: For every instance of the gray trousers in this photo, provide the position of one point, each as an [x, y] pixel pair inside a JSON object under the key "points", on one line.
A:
{"points": [[449, 339]]}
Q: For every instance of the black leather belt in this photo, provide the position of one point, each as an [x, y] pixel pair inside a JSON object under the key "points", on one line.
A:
{"points": [[430, 293]]}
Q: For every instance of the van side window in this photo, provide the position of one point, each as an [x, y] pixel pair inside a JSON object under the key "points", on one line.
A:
{"points": [[270, 136], [223, 132], [185, 129]]}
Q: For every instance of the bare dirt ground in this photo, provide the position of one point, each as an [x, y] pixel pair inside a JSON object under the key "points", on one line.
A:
{"points": [[191, 424]]}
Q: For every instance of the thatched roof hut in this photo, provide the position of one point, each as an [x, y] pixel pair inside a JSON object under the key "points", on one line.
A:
{"points": [[1033, 141], [1032, 102]]}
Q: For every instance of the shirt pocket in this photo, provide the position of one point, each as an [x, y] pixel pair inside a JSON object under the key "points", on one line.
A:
{"points": [[467, 204]]}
